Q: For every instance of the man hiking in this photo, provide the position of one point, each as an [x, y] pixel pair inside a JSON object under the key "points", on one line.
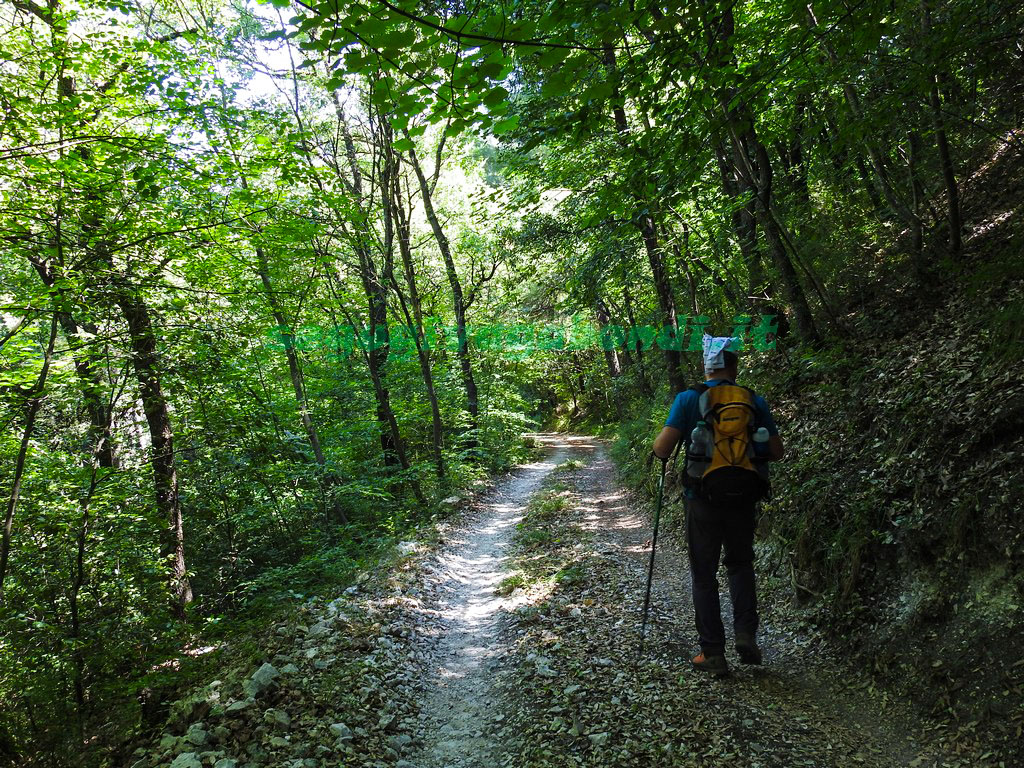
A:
{"points": [[737, 436]]}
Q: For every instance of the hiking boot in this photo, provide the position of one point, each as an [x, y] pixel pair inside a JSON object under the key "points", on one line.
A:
{"points": [[716, 666], [747, 648]]}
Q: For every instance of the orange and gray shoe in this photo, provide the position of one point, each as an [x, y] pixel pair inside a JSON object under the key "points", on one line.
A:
{"points": [[747, 648], [716, 665]]}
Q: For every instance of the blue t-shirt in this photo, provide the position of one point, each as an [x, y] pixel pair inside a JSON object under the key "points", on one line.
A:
{"points": [[685, 412]]}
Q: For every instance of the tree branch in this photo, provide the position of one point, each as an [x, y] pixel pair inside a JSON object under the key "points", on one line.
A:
{"points": [[28, 6]]}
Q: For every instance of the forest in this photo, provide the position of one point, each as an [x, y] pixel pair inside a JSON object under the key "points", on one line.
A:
{"points": [[284, 284]]}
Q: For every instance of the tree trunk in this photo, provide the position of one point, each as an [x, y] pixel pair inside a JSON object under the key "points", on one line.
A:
{"points": [[146, 362], [458, 302], [86, 364], [627, 299], [415, 321], [337, 512], [953, 216], [35, 400], [298, 384], [685, 257], [649, 234], [869, 184], [666, 301], [776, 246], [145, 358], [77, 582], [797, 163], [874, 152], [376, 291], [744, 221], [377, 357], [611, 355], [754, 166], [917, 201]]}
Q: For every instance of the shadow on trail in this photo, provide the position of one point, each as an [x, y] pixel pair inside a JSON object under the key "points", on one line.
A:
{"points": [[797, 709], [549, 675], [455, 715]]}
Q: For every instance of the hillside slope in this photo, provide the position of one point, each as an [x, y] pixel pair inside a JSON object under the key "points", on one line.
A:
{"points": [[896, 523], [895, 529]]}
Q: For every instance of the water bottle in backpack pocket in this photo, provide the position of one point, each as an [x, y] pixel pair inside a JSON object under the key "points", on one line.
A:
{"points": [[697, 455]]}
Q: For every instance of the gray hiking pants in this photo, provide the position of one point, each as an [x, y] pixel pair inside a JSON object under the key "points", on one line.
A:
{"points": [[709, 530]]}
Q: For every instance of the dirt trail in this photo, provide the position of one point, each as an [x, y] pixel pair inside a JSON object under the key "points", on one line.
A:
{"points": [[796, 710], [802, 692], [455, 717]]}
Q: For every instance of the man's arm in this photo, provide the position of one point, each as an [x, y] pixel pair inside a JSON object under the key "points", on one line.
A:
{"points": [[666, 441], [678, 420], [775, 448]]}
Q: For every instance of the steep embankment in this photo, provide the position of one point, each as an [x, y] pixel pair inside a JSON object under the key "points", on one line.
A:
{"points": [[897, 525], [895, 533]]}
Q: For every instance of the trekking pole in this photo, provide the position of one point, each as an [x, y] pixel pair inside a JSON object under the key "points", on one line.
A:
{"points": [[654, 544]]}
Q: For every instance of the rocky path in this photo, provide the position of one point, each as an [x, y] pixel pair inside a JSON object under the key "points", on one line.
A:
{"points": [[556, 662], [509, 639], [798, 705], [457, 713]]}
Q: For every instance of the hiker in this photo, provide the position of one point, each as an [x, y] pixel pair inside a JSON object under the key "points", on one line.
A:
{"points": [[721, 497]]}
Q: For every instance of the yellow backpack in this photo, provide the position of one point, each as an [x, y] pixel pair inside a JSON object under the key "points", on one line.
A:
{"points": [[734, 475]]}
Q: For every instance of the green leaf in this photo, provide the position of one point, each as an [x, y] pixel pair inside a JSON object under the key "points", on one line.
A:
{"points": [[399, 38], [504, 126], [495, 96]]}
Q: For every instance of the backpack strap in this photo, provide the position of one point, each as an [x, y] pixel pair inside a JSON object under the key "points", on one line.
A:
{"points": [[753, 402], [700, 389]]}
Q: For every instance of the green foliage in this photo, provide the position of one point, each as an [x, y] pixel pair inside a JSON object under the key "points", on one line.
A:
{"points": [[221, 216], [148, 178], [570, 465], [509, 584]]}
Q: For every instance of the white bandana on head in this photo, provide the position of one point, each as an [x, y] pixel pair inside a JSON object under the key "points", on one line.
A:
{"points": [[714, 346]]}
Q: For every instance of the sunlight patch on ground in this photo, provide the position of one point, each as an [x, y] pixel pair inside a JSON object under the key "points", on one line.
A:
{"points": [[989, 224]]}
